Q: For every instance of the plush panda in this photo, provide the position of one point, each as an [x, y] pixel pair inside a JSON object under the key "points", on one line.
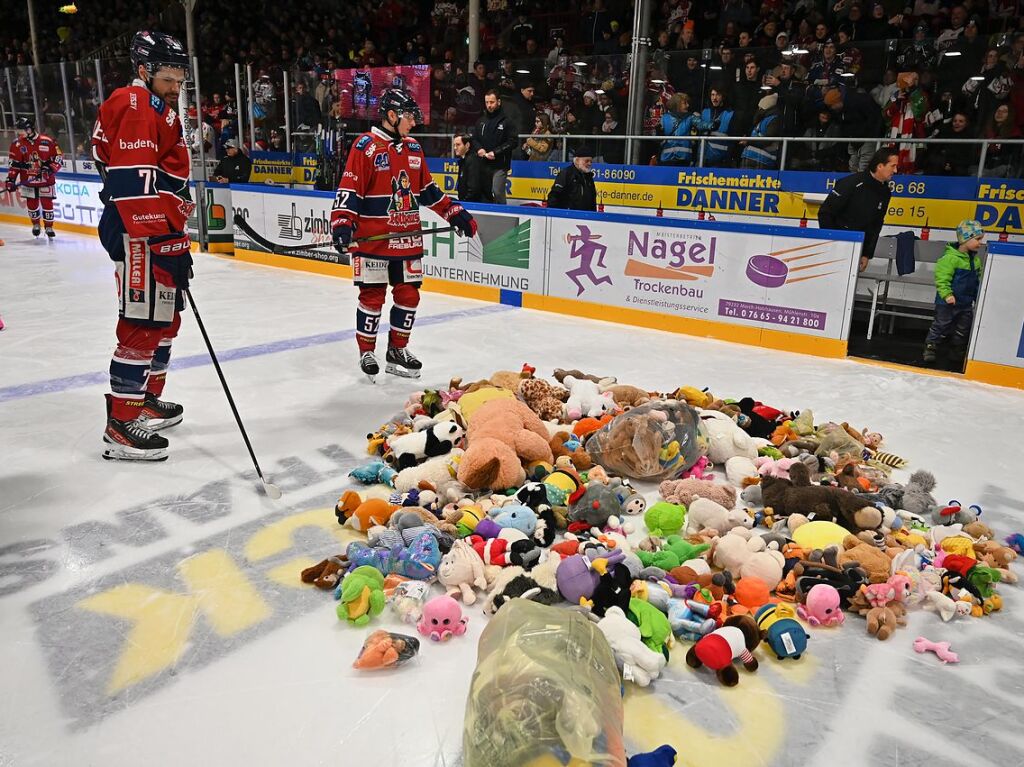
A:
{"points": [[409, 449]]}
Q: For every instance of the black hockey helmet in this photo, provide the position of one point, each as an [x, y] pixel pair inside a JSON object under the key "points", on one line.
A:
{"points": [[25, 123], [155, 49], [400, 102]]}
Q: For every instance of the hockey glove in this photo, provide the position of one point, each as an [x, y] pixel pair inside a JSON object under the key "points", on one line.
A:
{"points": [[459, 217], [342, 236], [9, 185], [172, 254]]}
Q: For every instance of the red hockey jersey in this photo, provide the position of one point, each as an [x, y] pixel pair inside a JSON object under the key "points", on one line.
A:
{"points": [[35, 162], [384, 184], [140, 152]]}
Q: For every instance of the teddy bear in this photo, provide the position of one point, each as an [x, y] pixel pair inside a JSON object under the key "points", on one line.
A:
{"points": [[629, 445], [626, 396], [725, 438], [543, 398], [638, 662], [586, 399], [798, 495], [502, 435], [560, 375], [870, 558], [705, 514], [565, 444], [999, 557], [435, 470], [736, 640], [684, 491]]}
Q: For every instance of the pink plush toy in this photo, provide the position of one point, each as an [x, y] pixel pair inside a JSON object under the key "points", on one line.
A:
{"points": [[822, 608], [770, 467], [442, 619], [941, 649], [898, 588], [699, 470]]}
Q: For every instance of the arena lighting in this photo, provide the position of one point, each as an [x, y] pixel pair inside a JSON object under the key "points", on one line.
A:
{"points": [[522, 71], [599, 91], [717, 67], [979, 78], [658, 82], [799, 51], [846, 74], [579, 63], [951, 53]]}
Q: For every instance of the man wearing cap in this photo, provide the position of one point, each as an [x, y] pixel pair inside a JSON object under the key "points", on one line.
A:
{"points": [[574, 186], [235, 167]]}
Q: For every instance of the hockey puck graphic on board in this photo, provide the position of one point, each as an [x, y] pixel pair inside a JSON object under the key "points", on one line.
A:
{"points": [[767, 271]]}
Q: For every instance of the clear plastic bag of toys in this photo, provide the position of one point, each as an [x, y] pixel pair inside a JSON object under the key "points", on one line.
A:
{"points": [[652, 442], [545, 686], [383, 649], [406, 599]]}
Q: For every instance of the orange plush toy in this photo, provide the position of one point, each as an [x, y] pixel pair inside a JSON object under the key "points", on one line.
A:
{"points": [[503, 434], [383, 649]]}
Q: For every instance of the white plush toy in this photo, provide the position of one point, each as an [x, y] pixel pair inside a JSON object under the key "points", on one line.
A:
{"points": [[434, 470], [640, 664], [734, 548], [739, 468], [586, 399], [460, 571], [725, 438], [437, 439], [706, 514]]}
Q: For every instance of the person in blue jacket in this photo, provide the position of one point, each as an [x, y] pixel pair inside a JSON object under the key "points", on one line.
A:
{"points": [[677, 121], [716, 120], [957, 280]]}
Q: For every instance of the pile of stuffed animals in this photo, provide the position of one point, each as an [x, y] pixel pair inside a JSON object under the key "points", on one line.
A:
{"points": [[767, 526]]}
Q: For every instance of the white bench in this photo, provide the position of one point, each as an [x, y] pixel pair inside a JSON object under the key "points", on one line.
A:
{"points": [[881, 274]]}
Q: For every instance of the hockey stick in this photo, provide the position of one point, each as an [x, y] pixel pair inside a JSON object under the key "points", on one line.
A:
{"points": [[280, 248], [272, 491]]}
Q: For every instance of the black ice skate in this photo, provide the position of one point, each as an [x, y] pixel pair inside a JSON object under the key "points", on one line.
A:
{"points": [[157, 414], [401, 363], [50, 233], [35, 229], [369, 365], [131, 441]]}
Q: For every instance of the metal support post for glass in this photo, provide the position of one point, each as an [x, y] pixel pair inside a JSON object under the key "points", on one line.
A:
{"points": [[240, 135], [99, 82], [204, 235], [67, 116], [252, 113], [782, 155], [981, 159], [35, 99], [10, 92], [700, 152], [288, 115]]}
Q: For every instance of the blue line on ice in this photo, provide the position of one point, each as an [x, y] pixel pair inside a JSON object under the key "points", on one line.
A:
{"points": [[55, 385]]}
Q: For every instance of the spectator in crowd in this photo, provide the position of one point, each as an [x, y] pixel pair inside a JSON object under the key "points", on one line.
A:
{"points": [[920, 54], [520, 110], [540, 144], [990, 87], [234, 167], [471, 185], [792, 97], [716, 120], [906, 118], [1001, 160], [588, 116], [759, 155], [745, 96], [859, 202], [728, 72], [957, 279], [495, 138], [818, 155], [954, 158], [277, 142], [678, 121], [557, 113], [885, 90], [857, 117], [573, 188], [613, 151]]}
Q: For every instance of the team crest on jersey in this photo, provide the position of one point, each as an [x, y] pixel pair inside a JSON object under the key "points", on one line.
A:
{"points": [[414, 147], [414, 162], [157, 103], [362, 142], [402, 210], [382, 162]]}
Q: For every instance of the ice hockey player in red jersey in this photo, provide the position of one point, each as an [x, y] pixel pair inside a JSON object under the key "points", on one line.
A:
{"points": [[385, 182], [34, 161], [140, 152]]}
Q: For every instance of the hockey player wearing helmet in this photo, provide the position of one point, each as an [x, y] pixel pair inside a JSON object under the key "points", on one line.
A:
{"points": [[385, 182], [141, 155], [33, 162]]}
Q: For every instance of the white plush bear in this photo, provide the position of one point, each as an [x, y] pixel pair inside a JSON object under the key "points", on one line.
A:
{"points": [[706, 514], [734, 548], [725, 438], [640, 664], [586, 399], [739, 468]]}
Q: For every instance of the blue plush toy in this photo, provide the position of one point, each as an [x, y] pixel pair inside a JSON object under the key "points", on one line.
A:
{"points": [[662, 756], [514, 515], [373, 473], [419, 560], [783, 634]]}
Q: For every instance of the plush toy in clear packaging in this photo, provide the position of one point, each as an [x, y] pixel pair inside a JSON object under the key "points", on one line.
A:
{"points": [[407, 598], [653, 442], [545, 688], [383, 649]]}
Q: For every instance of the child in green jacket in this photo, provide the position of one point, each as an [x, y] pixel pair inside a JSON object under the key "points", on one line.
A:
{"points": [[957, 279]]}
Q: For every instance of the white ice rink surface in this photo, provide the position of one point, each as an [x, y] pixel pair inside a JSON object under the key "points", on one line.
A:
{"points": [[153, 614]]}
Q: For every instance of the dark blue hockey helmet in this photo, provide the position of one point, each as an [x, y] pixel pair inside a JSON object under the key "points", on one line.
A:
{"points": [[397, 100], [153, 50], [25, 123]]}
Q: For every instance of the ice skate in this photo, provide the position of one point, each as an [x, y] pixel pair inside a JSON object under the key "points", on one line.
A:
{"points": [[369, 365], [158, 414], [131, 441], [401, 363], [930, 352], [50, 233], [35, 229]]}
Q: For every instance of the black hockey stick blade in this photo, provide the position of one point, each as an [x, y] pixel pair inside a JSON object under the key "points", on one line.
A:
{"points": [[281, 248]]}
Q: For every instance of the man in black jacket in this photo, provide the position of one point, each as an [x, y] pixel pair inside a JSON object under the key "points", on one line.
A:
{"points": [[494, 137], [859, 202], [235, 167], [470, 183], [574, 186]]}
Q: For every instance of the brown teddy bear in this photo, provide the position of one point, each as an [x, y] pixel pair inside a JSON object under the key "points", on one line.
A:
{"points": [[627, 396], [502, 435], [798, 495], [579, 457], [999, 557], [543, 398], [872, 559]]}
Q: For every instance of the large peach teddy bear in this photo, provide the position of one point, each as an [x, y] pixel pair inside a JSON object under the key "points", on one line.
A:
{"points": [[503, 434]]}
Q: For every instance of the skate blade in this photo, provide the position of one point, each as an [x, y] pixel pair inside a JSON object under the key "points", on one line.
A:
{"points": [[371, 378], [156, 424], [113, 451], [398, 370]]}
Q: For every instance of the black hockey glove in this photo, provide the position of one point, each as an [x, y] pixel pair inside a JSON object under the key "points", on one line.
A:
{"points": [[342, 236], [459, 217]]}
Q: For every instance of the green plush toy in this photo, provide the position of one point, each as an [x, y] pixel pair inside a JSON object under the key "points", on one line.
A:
{"points": [[675, 551], [770, 451], [655, 630], [664, 518], [362, 595]]}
